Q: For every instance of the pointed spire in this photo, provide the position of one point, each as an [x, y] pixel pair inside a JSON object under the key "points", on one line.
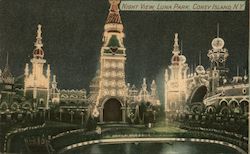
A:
{"points": [[38, 44], [38, 51], [54, 78], [176, 44], [218, 30], [114, 15], [144, 85], [26, 71], [48, 70], [6, 74], [153, 83], [200, 58]]}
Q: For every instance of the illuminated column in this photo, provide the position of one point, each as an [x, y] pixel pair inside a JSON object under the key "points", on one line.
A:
{"points": [[110, 79], [48, 87], [26, 74]]}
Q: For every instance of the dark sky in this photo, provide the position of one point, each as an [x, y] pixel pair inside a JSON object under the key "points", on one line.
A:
{"points": [[72, 33]]}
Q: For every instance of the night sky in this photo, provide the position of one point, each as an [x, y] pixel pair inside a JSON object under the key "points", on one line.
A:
{"points": [[72, 34]]}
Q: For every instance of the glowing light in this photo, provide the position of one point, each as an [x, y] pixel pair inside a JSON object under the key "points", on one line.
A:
{"points": [[95, 112]]}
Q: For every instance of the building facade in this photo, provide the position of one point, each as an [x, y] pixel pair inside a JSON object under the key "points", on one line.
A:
{"points": [[109, 93], [37, 82], [203, 90]]}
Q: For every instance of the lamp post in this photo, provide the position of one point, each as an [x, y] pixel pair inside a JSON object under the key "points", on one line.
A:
{"points": [[48, 114], [44, 112], [154, 112], [60, 114], [82, 113]]}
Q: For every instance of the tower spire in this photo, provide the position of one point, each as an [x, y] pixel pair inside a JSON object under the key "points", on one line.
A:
{"points": [[38, 44], [176, 44], [38, 51], [199, 58], [114, 15]]}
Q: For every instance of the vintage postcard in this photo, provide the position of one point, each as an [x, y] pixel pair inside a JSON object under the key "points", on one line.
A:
{"points": [[124, 76]]}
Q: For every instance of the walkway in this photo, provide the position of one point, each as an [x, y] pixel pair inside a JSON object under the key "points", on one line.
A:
{"points": [[147, 139]]}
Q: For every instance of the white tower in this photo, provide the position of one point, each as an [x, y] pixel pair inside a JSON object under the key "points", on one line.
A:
{"points": [[36, 82], [109, 82], [175, 80]]}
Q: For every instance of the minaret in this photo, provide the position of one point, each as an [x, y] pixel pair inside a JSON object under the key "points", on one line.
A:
{"points": [[36, 82], [175, 81], [48, 86], [144, 85], [153, 88], [7, 76]]}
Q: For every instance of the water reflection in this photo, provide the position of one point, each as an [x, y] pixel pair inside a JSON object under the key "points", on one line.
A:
{"points": [[156, 148]]}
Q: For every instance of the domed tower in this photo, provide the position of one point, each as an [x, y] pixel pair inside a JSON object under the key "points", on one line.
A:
{"points": [[108, 97], [218, 56], [175, 80], [37, 82]]}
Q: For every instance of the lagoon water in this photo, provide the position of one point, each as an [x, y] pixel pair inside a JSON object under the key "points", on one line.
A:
{"points": [[156, 148]]}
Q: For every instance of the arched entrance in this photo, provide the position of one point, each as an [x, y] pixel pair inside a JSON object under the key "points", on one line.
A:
{"points": [[196, 99], [198, 94], [112, 110]]}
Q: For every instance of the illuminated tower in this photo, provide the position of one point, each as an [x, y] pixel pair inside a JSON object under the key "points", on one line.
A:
{"points": [[217, 56], [175, 80], [7, 84], [110, 79], [36, 82]]}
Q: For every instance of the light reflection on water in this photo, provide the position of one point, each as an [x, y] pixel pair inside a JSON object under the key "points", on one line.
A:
{"points": [[156, 148]]}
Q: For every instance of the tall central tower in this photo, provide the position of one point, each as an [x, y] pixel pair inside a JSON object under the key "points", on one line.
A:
{"points": [[108, 88]]}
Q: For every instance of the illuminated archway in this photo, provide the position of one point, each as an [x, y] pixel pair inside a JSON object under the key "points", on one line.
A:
{"points": [[4, 106], [244, 105], [225, 110], [210, 109], [198, 94], [112, 110]]}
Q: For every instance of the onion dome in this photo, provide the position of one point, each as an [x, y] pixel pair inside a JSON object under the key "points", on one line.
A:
{"points": [[175, 59], [200, 70], [38, 53], [182, 59]]}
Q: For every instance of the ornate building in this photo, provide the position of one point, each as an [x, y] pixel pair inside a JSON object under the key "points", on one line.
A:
{"points": [[175, 77], [7, 89], [205, 91], [109, 93], [37, 82]]}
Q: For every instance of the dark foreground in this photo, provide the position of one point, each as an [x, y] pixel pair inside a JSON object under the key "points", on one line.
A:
{"points": [[156, 148]]}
